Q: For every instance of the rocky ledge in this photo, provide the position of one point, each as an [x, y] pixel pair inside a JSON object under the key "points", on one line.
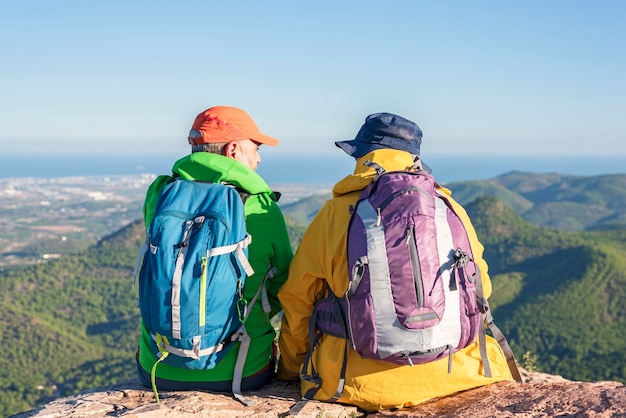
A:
{"points": [[540, 395]]}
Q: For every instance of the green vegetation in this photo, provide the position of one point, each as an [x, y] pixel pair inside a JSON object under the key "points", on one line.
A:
{"points": [[529, 361], [71, 323], [303, 211], [566, 202], [295, 231], [506, 287], [558, 295]]}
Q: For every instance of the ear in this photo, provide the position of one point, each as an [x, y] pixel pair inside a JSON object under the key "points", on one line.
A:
{"points": [[231, 149]]}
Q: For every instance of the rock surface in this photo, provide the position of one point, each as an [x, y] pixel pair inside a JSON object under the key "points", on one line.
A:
{"points": [[541, 395]]}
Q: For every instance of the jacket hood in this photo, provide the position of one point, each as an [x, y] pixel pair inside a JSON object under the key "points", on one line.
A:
{"points": [[389, 159], [215, 168]]}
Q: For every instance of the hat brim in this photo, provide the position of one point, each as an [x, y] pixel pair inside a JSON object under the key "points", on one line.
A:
{"points": [[265, 139], [357, 149]]}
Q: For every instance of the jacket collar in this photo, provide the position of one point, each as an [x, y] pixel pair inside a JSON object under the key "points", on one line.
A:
{"points": [[389, 159], [215, 168]]}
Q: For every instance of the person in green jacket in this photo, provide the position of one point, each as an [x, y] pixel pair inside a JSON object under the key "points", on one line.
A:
{"points": [[225, 142]]}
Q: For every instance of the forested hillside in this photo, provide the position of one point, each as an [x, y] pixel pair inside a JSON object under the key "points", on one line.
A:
{"points": [[557, 295], [304, 210], [71, 323], [554, 200], [560, 201]]}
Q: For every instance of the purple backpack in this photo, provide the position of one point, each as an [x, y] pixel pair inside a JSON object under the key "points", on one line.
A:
{"points": [[413, 283], [415, 293]]}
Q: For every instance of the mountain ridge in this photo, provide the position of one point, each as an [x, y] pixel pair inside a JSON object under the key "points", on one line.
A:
{"points": [[549, 278], [554, 200], [76, 319]]}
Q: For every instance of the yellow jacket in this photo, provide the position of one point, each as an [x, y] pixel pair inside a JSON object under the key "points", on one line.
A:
{"points": [[370, 384]]}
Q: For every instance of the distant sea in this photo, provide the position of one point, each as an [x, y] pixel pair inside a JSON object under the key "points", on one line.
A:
{"points": [[310, 169]]}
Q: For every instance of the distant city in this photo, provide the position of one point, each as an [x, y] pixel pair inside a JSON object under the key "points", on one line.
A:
{"points": [[42, 218]]}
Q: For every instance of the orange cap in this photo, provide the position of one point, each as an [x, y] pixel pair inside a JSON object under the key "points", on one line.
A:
{"points": [[226, 124]]}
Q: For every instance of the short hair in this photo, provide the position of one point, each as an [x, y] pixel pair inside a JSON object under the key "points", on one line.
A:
{"points": [[212, 147]]}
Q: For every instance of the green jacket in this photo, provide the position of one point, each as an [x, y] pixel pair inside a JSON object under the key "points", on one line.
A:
{"points": [[270, 245]]}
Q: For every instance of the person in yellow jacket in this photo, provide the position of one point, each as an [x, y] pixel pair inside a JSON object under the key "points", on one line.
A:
{"points": [[393, 143]]}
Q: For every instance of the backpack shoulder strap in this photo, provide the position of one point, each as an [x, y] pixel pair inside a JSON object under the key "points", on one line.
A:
{"points": [[313, 376], [487, 322], [483, 305], [243, 194], [242, 335], [501, 339]]}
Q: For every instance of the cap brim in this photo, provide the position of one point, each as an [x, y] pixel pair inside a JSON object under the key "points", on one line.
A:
{"points": [[265, 139]]}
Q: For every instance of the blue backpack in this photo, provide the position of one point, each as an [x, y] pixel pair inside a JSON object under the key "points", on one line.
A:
{"points": [[193, 271]]}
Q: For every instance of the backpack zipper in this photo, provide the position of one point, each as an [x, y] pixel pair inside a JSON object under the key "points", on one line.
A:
{"points": [[202, 310], [415, 266]]}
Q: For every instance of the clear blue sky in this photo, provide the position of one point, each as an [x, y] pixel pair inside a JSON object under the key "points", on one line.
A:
{"points": [[487, 77]]}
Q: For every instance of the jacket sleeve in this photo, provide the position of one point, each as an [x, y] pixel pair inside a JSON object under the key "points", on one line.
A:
{"points": [[298, 296], [281, 258], [152, 196]]}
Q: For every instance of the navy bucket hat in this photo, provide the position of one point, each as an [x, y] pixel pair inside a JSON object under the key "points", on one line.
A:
{"points": [[384, 130]]}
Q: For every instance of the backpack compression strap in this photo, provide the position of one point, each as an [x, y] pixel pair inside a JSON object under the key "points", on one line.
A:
{"points": [[242, 335], [178, 271], [508, 353], [487, 320], [197, 352], [238, 249], [337, 318], [461, 259]]}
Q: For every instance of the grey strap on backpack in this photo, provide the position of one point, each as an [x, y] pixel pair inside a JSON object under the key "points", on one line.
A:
{"points": [[338, 317], [508, 353], [312, 377], [242, 336], [310, 394], [487, 320]]}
